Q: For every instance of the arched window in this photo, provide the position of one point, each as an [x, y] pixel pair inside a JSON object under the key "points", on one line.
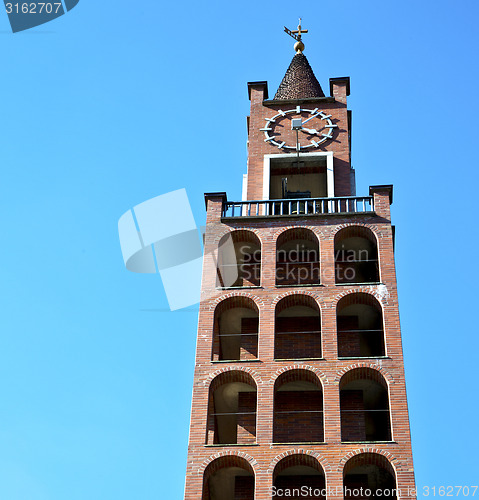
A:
{"points": [[235, 332], [228, 478], [297, 333], [369, 475], [232, 409], [356, 256], [297, 258], [364, 403], [239, 260], [298, 408], [296, 472], [360, 326]]}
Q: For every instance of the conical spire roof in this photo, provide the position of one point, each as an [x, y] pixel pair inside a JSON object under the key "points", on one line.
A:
{"points": [[299, 81]]}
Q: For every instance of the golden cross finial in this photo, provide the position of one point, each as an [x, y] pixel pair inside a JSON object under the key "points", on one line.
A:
{"points": [[296, 34], [299, 31]]}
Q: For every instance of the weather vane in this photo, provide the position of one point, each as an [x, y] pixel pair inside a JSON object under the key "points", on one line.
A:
{"points": [[296, 34]]}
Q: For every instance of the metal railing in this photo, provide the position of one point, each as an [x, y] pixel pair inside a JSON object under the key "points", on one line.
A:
{"points": [[298, 332], [298, 207]]}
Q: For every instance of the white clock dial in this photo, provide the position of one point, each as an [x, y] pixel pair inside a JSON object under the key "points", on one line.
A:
{"points": [[307, 137]]}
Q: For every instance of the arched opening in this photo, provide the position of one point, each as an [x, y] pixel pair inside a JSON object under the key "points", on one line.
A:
{"points": [[239, 260], [364, 400], [356, 255], [295, 475], [369, 475], [232, 409], [360, 327], [297, 331], [228, 478], [297, 258], [235, 332], [298, 408]]}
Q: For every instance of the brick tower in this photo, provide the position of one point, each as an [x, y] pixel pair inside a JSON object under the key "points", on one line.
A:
{"points": [[299, 387]]}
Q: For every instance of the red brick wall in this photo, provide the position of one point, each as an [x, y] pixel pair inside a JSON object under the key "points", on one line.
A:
{"points": [[304, 343], [348, 340], [353, 424], [298, 417]]}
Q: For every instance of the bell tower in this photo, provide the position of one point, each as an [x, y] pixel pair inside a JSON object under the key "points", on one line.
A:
{"points": [[299, 386]]}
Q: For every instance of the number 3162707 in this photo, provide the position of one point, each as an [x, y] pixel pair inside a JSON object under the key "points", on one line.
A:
{"points": [[33, 8], [449, 491]]}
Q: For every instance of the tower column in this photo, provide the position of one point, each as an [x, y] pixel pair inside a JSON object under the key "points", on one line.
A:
{"points": [[327, 261], [332, 419], [264, 483], [268, 268], [328, 330], [265, 414]]}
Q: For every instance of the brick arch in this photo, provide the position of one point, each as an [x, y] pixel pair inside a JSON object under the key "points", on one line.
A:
{"points": [[295, 292], [315, 229], [386, 375], [237, 300], [253, 374], [232, 249], [230, 376], [236, 293], [370, 290], [321, 460], [289, 301], [367, 299], [319, 374], [368, 232], [372, 227], [308, 229], [228, 230], [396, 464], [246, 233], [227, 454]]}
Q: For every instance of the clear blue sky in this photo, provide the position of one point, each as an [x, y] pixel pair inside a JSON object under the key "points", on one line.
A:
{"points": [[117, 102]]}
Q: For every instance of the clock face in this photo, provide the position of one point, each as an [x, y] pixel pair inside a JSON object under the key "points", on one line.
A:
{"points": [[313, 128]]}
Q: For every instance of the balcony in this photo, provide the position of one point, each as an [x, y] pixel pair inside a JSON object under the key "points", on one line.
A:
{"points": [[299, 207]]}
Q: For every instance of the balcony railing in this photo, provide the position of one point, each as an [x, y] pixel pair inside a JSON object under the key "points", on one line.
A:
{"points": [[299, 207]]}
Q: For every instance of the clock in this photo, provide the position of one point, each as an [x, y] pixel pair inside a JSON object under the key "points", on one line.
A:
{"points": [[275, 130]]}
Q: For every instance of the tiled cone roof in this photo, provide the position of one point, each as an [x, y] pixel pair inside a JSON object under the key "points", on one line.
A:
{"points": [[299, 81]]}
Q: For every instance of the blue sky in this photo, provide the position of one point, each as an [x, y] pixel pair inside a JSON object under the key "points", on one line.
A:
{"points": [[118, 102]]}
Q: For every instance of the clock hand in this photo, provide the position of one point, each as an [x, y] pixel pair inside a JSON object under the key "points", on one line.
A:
{"points": [[309, 130], [310, 118]]}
